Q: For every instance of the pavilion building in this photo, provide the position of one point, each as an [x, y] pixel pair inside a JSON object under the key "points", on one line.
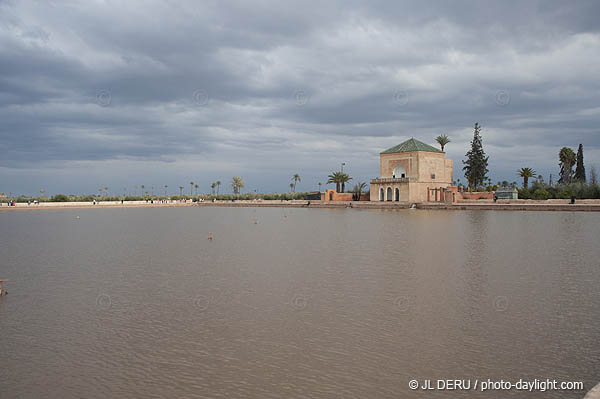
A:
{"points": [[413, 172]]}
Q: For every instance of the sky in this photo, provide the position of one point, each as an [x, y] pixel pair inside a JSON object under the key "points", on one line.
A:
{"points": [[125, 93]]}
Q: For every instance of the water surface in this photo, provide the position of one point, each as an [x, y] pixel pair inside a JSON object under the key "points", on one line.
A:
{"points": [[290, 303]]}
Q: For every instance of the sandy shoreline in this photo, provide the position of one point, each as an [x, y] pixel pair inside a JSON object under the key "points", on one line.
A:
{"points": [[521, 206]]}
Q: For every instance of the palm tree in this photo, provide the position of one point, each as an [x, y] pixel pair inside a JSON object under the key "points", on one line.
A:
{"points": [[320, 184], [181, 191], [42, 192], [442, 140], [212, 188], [291, 187], [344, 178], [142, 187], [296, 178], [567, 157], [166, 186], [191, 187], [106, 190], [340, 179], [218, 183], [100, 192], [236, 184], [335, 178], [358, 189], [135, 192], [196, 187], [526, 173]]}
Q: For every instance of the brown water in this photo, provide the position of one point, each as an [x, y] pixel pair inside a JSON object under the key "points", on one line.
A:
{"points": [[311, 303]]}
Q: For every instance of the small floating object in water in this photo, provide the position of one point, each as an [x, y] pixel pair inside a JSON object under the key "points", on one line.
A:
{"points": [[413, 206], [77, 217], [210, 236]]}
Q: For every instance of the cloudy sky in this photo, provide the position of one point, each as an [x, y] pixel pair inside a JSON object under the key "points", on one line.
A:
{"points": [[124, 93]]}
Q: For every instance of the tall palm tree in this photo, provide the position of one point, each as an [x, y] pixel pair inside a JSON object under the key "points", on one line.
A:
{"points": [[296, 178], [191, 187], [181, 191], [236, 184], [344, 178], [340, 179], [320, 184], [42, 192], [218, 183], [291, 187], [212, 187], [335, 178], [567, 158], [442, 140], [166, 186], [106, 189], [142, 187], [526, 173], [196, 187]]}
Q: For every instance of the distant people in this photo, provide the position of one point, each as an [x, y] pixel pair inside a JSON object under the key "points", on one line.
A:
{"points": [[572, 199], [495, 198]]}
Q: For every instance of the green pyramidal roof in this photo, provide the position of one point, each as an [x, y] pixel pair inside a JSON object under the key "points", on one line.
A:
{"points": [[411, 145]]}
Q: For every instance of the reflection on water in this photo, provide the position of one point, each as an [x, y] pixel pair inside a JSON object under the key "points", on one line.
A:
{"points": [[303, 303]]}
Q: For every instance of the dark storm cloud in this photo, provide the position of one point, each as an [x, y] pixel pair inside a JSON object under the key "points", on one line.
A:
{"points": [[211, 88]]}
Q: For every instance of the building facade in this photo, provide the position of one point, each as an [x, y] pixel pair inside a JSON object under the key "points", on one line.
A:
{"points": [[412, 172]]}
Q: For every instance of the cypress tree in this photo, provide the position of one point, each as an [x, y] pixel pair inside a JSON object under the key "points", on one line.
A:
{"points": [[476, 165], [580, 169]]}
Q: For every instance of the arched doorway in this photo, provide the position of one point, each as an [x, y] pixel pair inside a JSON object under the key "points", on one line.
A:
{"points": [[381, 194], [399, 172], [331, 196], [389, 193], [397, 194]]}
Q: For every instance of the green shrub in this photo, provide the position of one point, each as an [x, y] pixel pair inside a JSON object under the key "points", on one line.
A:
{"points": [[541, 194], [60, 198], [565, 193], [524, 193]]}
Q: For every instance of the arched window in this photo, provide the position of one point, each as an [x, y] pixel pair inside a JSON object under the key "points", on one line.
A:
{"points": [[397, 194], [399, 172], [381, 194], [389, 193]]}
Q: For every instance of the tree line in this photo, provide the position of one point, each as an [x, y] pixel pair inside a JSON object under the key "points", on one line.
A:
{"points": [[572, 183]]}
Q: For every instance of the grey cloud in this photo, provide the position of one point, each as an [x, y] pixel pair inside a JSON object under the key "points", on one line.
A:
{"points": [[118, 83]]}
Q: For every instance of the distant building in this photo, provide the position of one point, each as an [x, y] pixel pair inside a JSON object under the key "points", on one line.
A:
{"points": [[507, 193], [412, 172]]}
